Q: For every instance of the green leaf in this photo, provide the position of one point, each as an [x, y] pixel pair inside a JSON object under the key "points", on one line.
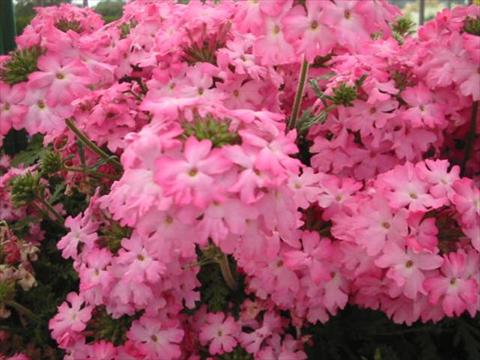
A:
{"points": [[307, 120], [32, 153], [469, 336]]}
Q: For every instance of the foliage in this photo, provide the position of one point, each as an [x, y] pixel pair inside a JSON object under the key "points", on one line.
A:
{"points": [[110, 10], [25, 11], [366, 334]]}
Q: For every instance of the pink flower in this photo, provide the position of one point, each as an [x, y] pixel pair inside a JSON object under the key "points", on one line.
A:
{"points": [[71, 319], [220, 332], [94, 275], [156, 339], [60, 77], [423, 233], [42, 116], [453, 286], [288, 349], [272, 48], [376, 224], [468, 75], [405, 189], [308, 31], [467, 201], [134, 195], [11, 109], [437, 173], [313, 256], [191, 180], [253, 341], [237, 53], [81, 232], [102, 350], [336, 193], [344, 16], [407, 268], [141, 265], [305, 186], [251, 179], [423, 109]]}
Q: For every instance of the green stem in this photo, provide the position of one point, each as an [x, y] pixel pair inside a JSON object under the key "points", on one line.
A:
{"points": [[22, 309], [298, 95], [92, 146], [51, 209], [227, 272], [42, 211], [89, 172], [470, 138]]}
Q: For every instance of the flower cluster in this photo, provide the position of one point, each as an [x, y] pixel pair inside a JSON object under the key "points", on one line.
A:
{"points": [[300, 150], [411, 242], [390, 103]]}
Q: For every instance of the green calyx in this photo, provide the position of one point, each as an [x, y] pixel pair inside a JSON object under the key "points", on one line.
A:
{"points": [[205, 49], [103, 327], [25, 188], [209, 128], [344, 95], [65, 25], [111, 236], [22, 63], [51, 162], [403, 27], [472, 25], [126, 27], [401, 80]]}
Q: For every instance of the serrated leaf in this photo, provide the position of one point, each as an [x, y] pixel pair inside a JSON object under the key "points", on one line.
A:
{"points": [[469, 336], [307, 120], [58, 193], [32, 153]]}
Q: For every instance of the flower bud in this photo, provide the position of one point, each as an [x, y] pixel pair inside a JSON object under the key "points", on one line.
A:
{"points": [[51, 162], [65, 25], [472, 25], [112, 236], [22, 63], [209, 128], [104, 327], [344, 95], [25, 188]]}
